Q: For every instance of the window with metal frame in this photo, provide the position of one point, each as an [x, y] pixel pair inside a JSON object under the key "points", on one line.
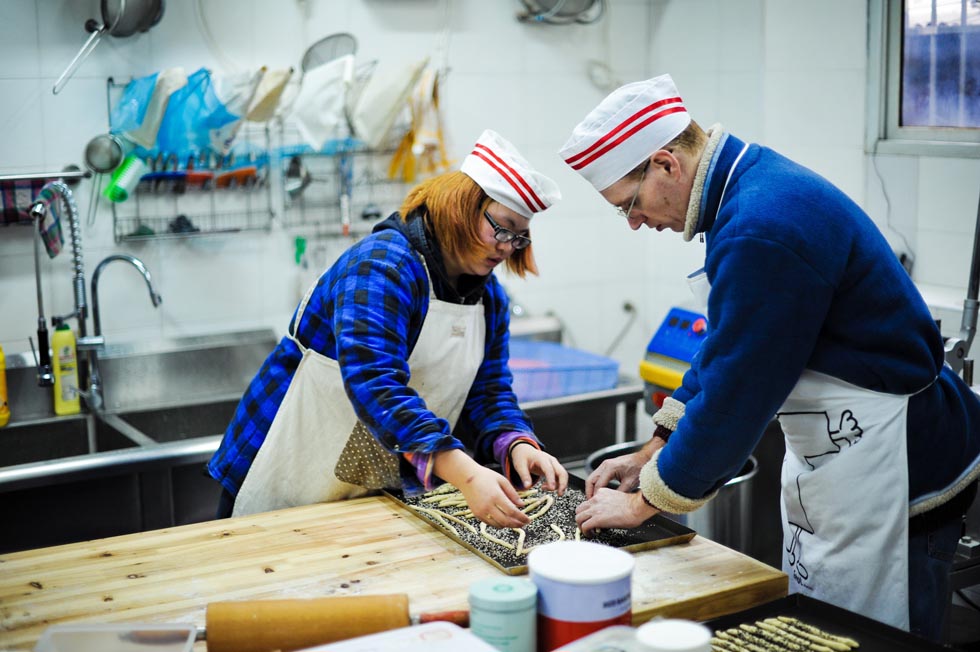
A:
{"points": [[924, 77]]}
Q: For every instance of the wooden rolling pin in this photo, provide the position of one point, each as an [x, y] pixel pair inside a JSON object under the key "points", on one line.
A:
{"points": [[268, 625]]}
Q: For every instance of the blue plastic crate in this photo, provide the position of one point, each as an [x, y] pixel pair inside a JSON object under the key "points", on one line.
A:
{"points": [[549, 370]]}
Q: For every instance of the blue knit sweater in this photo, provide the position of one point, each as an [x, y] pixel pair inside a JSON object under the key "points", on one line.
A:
{"points": [[802, 279]]}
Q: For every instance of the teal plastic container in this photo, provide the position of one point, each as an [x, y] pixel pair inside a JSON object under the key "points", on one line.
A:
{"points": [[503, 612]]}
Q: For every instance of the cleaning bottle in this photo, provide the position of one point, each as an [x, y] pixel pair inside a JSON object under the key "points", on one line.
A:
{"points": [[65, 363], [4, 408]]}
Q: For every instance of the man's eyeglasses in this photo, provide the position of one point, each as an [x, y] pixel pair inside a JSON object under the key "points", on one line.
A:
{"points": [[500, 234], [626, 214]]}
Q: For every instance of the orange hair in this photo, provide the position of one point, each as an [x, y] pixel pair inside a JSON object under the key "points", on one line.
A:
{"points": [[453, 206]]}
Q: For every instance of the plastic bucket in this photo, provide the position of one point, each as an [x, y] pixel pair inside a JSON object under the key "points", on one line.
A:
{"points": [[582, 587], [725, 519]]}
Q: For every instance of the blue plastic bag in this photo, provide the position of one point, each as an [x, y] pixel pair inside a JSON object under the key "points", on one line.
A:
{"points": [[130, 110], [193, 113]]}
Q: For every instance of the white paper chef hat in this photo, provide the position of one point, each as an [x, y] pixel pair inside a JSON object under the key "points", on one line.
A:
{"points": [[627, 127], [507, 177]]}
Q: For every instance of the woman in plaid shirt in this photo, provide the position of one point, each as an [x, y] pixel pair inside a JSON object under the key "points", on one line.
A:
{"points": [[402, 338]]}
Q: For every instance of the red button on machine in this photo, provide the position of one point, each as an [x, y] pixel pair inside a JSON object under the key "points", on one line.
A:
{"points": [[699, 326]]}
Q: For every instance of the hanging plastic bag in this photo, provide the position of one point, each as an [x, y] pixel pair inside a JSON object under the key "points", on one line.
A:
{"points": [[235, 92], [140, 110], [131, 108], [193, 115]]}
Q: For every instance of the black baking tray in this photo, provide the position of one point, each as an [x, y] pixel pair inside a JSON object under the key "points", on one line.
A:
{"points": [[657, 532], [871, 634]]}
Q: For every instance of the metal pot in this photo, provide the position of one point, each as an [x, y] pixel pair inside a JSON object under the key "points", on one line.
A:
{"points": [[120, 18], [126, 17], [725, 519]]}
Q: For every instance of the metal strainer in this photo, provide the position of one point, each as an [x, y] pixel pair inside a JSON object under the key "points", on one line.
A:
{"points": [[103, 154], [327, 49]]}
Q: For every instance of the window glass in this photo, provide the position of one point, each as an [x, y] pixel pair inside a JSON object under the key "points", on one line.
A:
{"points": [[940, 76]]}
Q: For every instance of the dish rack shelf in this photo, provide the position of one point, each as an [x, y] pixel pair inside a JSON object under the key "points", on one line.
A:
{"points": [[316, 186], [194, 198]]}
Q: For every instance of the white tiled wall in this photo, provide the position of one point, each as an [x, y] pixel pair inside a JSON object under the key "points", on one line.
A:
{"points": [[789, 74]]}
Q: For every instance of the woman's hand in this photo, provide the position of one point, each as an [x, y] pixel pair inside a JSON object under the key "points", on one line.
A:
{"points": [[609, 508], [625, 469], [526, 460], [489, 495]]}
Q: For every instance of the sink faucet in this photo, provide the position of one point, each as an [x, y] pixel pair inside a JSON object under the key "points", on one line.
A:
{"points": [[92, 345]]}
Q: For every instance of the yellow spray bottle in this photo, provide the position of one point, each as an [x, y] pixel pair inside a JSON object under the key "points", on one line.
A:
{"points": [[4, 408], [65, 363]]}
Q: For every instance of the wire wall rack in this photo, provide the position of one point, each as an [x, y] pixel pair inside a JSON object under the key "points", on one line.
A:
{"points": [[343, 191], [202, 195]]}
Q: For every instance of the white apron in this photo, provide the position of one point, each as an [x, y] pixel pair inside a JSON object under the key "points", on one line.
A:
{"points": [[844, 490], [845, 497], [318, 451]]}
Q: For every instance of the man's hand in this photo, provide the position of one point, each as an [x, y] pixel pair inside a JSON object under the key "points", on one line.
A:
{"points": [[610, 508], [625, 469], [527, 460]]}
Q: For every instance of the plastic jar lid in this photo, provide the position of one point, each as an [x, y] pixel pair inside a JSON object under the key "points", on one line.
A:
{"points": [[672, 635], [580, 562], [503, 594]]}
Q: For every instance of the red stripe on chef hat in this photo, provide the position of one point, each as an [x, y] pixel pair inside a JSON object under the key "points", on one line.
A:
{"points": [[511, 176], [605, 143], [497, 167], [629, 125]]}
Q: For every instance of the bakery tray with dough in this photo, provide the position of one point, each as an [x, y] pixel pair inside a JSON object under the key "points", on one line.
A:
{"points": [[552, 519], [796, 612]]}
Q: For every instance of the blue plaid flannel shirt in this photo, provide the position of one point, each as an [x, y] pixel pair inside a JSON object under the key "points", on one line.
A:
{"points": [[367, 312]]}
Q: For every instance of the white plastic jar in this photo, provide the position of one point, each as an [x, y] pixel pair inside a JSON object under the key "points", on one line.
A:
{"points": [[673, 635], [582, 587]]}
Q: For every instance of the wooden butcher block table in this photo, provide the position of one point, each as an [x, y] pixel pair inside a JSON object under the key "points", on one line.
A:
{"points": [[364, 546]]}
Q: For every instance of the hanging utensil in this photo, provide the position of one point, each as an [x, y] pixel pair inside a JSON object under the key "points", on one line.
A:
{"points": [[120, 18], [103, 154], [327, 49], [298, 177]]}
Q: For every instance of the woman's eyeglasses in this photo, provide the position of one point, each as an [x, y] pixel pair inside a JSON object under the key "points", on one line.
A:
{"points": [[500, 234], [636, 193]]}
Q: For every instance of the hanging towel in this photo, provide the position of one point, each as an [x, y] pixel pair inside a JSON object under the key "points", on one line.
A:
{"points": [[16, 199], [266, 99], [422, 150], [384, 97], [50, 227], [318, 111]]}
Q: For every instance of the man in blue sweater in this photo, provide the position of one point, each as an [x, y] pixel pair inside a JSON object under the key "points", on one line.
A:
{"points": [[813, 321]]}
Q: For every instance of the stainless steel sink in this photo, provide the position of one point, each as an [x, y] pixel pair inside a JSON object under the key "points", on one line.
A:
{"points": [[182, 422], [138, 464], [51, 439]]}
